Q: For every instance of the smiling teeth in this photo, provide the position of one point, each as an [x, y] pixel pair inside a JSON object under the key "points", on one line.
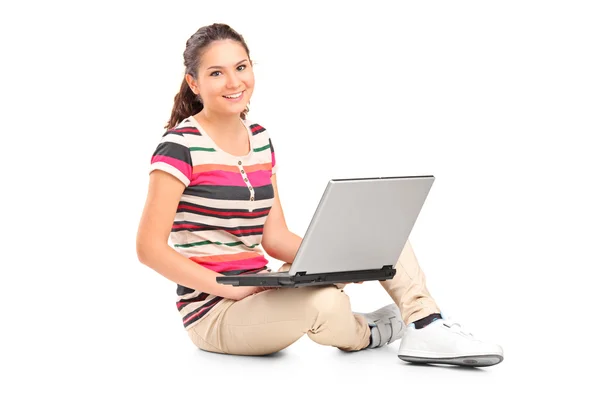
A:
{"points": [[235, 96]]}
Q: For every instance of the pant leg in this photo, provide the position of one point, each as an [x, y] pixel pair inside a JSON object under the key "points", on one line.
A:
{"points": [[270, 321], [408, 288]]}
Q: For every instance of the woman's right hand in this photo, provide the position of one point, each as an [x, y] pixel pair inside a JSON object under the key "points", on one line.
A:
{"points": [[241, 292]]}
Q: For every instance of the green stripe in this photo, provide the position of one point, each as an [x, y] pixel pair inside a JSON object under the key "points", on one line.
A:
{"points": [[262, 148], [209, 242], [202, 149]]}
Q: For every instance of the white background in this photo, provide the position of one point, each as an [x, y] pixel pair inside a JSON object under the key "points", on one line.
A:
{"points": [[499, 100]]}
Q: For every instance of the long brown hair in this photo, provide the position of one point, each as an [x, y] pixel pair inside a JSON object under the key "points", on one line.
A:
{"points": [[186, 103]]}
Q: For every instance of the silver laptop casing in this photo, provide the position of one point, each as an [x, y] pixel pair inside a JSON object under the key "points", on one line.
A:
{"points": [[361, 224]]}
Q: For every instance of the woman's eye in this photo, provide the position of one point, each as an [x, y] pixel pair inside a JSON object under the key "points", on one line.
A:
{"points": [[239, 68]]}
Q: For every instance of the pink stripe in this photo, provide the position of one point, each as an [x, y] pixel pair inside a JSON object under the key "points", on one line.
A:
{"points": [[183, 167], [249, 263], [218, 178], [273, 159], [226, 178], [260, 178]]}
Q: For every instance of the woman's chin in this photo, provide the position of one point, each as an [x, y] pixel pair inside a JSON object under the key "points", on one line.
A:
{"points": [[228, 109]]}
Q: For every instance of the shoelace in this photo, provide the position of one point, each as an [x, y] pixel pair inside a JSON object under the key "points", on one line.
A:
{"points": [[456, 327]]}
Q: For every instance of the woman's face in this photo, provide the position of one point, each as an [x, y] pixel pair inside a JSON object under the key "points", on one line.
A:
{"points": [[225, 78]]}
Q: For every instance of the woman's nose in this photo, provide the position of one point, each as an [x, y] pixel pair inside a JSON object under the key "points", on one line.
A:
{"points": [[233, 81]]}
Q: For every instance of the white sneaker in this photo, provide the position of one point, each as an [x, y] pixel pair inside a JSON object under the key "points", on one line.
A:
{"points": [[386, 325], [445, 342]]}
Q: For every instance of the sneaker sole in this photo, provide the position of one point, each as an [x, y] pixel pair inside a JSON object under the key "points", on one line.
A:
{"points": [[469, 361]]}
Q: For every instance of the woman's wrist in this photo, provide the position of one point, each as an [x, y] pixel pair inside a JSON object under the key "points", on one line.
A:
{"points": [[239, 292]]}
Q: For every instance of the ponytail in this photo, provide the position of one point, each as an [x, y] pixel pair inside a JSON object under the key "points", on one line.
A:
{"points": [[185, 104]]}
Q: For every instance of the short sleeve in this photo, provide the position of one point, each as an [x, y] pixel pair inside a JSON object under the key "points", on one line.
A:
{"points": [[173, 156], [274, 165]]}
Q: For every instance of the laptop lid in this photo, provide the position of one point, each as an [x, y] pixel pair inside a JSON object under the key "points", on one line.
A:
{"points": [[361, 224]]}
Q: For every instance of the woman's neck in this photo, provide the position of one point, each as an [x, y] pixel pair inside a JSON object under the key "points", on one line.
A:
{"points": [[227, 127]]}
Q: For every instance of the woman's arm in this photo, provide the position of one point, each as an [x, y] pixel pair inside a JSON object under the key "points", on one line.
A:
{"points": [[277, 239], [153, 250]]}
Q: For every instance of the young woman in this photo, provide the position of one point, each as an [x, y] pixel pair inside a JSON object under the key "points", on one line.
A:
{"points": [[213, 193]]}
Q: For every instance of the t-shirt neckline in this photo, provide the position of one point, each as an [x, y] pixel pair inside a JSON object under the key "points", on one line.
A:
{"points": [[203, 132]]}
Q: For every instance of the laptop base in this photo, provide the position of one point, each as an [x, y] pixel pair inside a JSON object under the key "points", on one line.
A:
{"points": [[284, 279]]}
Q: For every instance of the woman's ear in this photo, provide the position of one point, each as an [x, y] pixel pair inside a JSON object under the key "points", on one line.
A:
{"points": [[192, 83]]}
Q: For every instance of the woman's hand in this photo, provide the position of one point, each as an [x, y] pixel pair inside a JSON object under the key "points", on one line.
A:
{"points": [[241, 292]]}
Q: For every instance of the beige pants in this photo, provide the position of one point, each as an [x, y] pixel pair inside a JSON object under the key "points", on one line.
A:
{"points": [[272, 320]]}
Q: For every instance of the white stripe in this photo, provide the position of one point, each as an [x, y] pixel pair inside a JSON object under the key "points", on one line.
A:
{"points": [[211, 250], [227, 204], [171, 170], [185, 237], [226, 223], [185, 124]]}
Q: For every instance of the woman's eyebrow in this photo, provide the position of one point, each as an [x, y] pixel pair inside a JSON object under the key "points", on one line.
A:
{"points": [[218, 66]]}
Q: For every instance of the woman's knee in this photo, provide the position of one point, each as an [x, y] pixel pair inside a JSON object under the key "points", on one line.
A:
{"points": [[328, 300], [200, 343]]}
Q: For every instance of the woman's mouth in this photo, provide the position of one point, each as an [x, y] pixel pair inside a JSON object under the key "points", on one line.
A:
{"points": [[234, 96]]}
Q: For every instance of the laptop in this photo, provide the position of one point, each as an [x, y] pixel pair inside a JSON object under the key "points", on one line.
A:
{"points": [[356, 234]]}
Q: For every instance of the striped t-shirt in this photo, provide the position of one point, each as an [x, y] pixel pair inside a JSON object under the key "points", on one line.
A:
{"points": [[223, 209]]}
